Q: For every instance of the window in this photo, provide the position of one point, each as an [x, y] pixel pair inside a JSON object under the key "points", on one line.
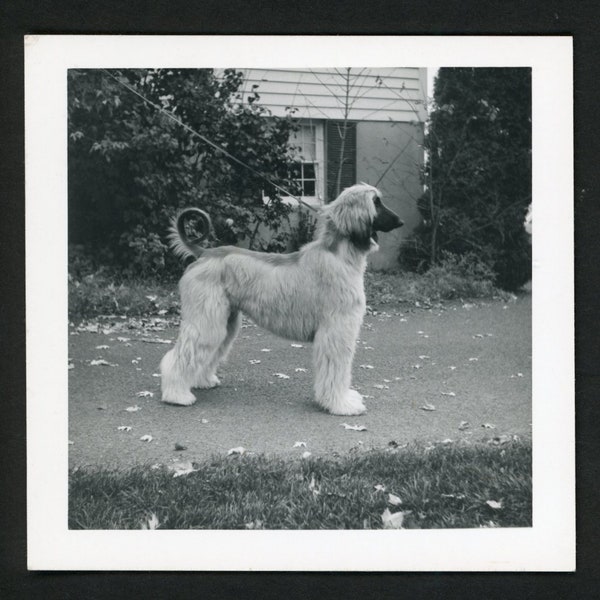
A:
{"points": [[308, 150], [306, 175]]}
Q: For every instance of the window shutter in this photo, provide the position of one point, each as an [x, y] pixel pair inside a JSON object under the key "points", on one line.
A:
{"points": [[335, 132]]}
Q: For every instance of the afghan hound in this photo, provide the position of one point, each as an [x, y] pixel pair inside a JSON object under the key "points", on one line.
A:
{"points": [[313, 295]]}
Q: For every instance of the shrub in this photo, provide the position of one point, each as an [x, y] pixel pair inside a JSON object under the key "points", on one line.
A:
{"points": [[478, 173], [304, 231], [131, 167], [455, 277]]}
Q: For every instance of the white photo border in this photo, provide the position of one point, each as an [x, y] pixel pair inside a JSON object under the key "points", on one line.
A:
{"points": [[549, 545]]}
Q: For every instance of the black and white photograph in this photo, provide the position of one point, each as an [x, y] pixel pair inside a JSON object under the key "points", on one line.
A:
{"points": [[299, 303]]}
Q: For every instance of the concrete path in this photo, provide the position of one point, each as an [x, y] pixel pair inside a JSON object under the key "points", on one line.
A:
{"points": [[428, 375]]}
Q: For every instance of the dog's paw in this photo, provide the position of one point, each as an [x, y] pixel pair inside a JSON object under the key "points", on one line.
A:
{"points": [[210, 382], [186, 399], [351, 404]]}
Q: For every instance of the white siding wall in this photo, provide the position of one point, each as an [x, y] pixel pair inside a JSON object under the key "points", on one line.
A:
{"points": [[375, 94]]}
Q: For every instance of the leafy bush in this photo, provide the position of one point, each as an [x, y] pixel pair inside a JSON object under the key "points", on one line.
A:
{"points": [[455, 277], [304, 231], [478, 173], [131, 167]]}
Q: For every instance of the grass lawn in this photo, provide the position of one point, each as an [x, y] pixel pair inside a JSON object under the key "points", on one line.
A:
{"points": [[447, 486]]}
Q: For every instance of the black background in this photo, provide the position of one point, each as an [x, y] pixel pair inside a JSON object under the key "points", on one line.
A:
{"points": [[468, 17]]}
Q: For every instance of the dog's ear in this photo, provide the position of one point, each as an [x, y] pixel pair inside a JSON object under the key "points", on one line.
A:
{"points": [[352, 215]]}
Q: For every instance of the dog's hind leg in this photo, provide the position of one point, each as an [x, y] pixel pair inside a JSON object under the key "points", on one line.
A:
{"points": [[202, 332], [334, 345], [178, 368], [208, 373]]}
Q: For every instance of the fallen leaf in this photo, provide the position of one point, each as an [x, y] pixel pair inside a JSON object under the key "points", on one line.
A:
{"points": [[367, 367], [501, 439], [312, 486], [451, 394], [300, 445], [146, 438], [152, 298], [423, 357], [266, 350], [281, 375], [488, 426], [182, 468], [392, 520], [379, 487], [71, 442], [157, 341], [258, 524], [473, 359], [204, 421], [489, 524], [124, 428], [179, 447], [463, 425], [296, 345], [123, 339], [494, 504], [306, 454], [394, 500], [101, 362], [102, 347], [145, 394], [152, 523], [300, 370], [234, 451], [254, 361], [452, 368], [428, 407], [381, 386], [133, 408], [71, 366], [354, 427], [156, 375], [447, 441]]}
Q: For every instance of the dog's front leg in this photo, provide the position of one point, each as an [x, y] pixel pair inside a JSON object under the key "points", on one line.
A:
{"points": [[334, 345]]}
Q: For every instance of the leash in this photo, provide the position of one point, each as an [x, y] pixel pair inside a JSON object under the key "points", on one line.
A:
{"points": [[208, 141]]}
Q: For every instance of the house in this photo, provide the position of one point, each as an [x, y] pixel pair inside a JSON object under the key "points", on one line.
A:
{"points": [[359, 124]]}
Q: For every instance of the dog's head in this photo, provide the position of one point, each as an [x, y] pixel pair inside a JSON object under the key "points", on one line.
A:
{"points": [[359, 213]]}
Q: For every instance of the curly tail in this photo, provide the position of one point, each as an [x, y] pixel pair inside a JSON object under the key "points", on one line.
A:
{"points": [[181, 244]]}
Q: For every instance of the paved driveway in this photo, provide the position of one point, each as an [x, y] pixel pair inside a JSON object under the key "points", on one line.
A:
{"points": [[428, 375]]}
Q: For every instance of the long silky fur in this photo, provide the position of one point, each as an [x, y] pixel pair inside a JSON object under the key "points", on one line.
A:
{"points": [[313, 295]]}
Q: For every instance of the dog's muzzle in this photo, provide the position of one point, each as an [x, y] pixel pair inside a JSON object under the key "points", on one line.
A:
{"points": [[385, 220]]}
